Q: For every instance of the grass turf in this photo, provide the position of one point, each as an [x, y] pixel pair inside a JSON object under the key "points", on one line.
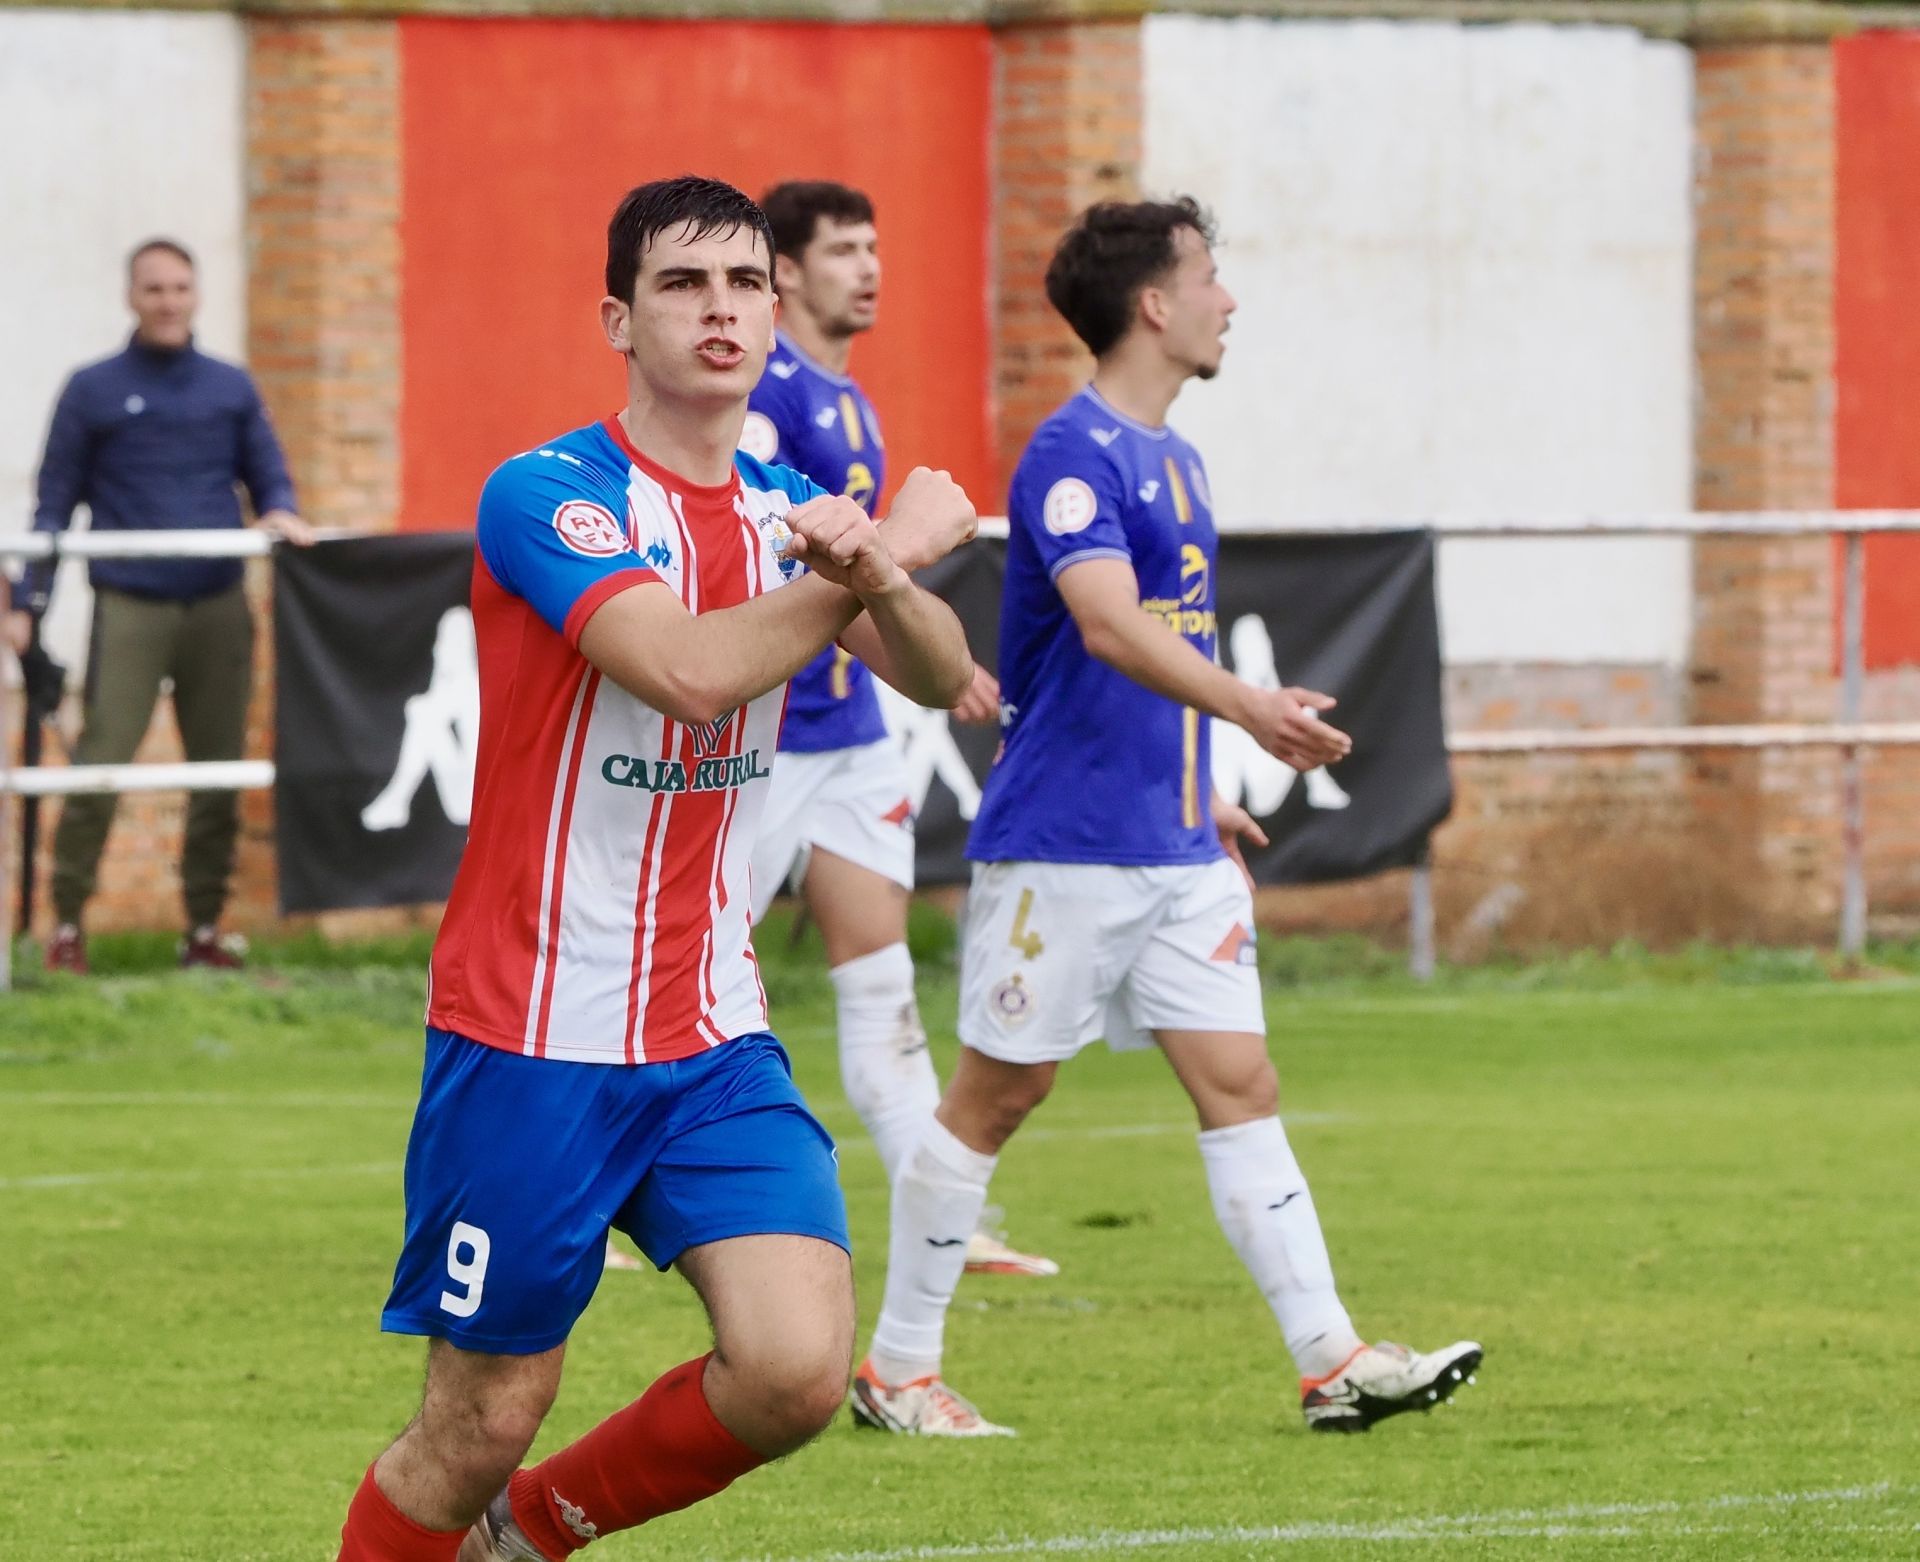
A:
{"points": [[1674, 1196]]}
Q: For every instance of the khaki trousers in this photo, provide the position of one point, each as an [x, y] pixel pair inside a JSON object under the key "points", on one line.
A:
{"points": [[206, 648]]}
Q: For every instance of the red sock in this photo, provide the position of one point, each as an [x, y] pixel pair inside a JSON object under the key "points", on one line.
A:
{"points": [[665, 1451], [377, 1531]]}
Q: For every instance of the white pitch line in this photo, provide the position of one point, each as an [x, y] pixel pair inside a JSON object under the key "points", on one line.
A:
{"points": [[50, 1180], [1587, 1520], [201, 1098]]}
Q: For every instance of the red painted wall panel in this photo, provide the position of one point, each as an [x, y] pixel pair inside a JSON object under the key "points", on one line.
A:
{"points": [[520, 139], [1877, 319]]}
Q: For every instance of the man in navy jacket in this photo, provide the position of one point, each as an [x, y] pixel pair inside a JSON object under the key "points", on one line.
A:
{"points": [[158, 436]]}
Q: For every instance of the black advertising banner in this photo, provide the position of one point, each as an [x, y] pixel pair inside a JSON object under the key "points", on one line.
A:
{"points": [[378, 706], [1356, 618], [1351, 616], [379, 711]]}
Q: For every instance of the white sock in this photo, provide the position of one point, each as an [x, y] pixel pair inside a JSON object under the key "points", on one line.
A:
{"points": [[1260, 1197], [884, 1063], [937, 1200]]}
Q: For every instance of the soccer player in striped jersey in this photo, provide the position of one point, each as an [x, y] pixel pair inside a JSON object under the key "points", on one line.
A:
{"points": [[840, 807], [1109, 899], [597, 1047]]}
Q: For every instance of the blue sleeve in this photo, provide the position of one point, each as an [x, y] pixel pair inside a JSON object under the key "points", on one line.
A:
{"points": [[556, 534], [1070, 502], [62, 485], [769, 476], [263, 465]]}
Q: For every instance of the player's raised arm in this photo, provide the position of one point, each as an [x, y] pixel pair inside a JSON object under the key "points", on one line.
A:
{"points": [[694, 667], [908, 636], [552, 534], [912, 640]]}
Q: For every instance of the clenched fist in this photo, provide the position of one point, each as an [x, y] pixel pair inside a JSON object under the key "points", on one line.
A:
{"points": [[931, 516], [838, 541]]}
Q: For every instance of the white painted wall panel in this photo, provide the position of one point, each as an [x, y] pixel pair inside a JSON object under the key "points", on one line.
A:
{"points": [[1463, 260], [114, 126]]}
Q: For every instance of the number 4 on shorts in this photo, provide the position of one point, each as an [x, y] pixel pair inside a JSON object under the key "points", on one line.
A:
{"points": [[1022, 938]]}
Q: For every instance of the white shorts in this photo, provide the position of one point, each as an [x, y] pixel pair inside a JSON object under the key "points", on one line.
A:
{"points": [[1058, 955], [852, 802]]}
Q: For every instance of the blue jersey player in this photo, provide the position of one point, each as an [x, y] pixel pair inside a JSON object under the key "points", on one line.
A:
{"points": [[841, 808], [1108, 898]]}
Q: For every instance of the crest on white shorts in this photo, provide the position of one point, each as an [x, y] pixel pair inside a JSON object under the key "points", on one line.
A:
{"points": [[1012, 1001]]}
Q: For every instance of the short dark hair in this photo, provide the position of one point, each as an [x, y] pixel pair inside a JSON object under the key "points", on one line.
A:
{"points": [[165, 246], [795, 210], [711, 206], [1112, 251]]}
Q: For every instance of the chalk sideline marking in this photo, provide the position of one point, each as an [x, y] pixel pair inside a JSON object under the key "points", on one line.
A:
{"points": [[1606, 1520]]}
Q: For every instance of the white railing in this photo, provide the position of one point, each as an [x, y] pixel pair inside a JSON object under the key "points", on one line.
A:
{"points": [[1848, 732]]}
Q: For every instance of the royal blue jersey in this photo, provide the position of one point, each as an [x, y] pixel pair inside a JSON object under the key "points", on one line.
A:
{"points": [[1092, 766], [821, 424]]}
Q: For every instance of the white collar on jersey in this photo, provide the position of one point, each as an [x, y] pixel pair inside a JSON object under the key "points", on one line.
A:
{"points": [[844, 381], [1162, 432]]}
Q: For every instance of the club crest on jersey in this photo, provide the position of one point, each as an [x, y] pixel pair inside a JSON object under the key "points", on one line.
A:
{"points": [[707, 734], [590, 529], [759, 438], [1070, 507]]}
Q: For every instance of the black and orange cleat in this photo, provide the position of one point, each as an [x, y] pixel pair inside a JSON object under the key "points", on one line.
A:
{"points": [[1378, 1381]]}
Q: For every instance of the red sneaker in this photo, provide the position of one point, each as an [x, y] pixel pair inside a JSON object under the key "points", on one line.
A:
{"points": [[206, 947], [67, 950]]}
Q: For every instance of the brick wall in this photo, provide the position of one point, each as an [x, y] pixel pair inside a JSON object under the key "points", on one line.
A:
{"points": [[1763, 614], [1066, 134], [323, 235]]}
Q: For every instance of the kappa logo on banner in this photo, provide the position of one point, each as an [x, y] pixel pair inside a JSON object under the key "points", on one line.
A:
{"points": [[441, 738], [1243, 772], [590, 529]]}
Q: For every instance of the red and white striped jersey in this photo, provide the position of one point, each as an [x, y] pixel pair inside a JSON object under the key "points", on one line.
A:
{"points": [[600, 909]]}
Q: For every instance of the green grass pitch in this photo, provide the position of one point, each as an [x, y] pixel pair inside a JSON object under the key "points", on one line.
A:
{"points": [[1678, 1200]]}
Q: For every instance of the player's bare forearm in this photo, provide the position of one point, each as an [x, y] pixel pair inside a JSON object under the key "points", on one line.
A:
{"points": [[697, 666], [912, 639], [1104, 597]]}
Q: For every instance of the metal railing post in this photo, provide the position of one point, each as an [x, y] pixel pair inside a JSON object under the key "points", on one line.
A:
{"points": [[1420, 957], [1853, 811], [9, 669]]}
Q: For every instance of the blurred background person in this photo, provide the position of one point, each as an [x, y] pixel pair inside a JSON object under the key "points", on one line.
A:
{"points": [[840, 809], [160, 436]]}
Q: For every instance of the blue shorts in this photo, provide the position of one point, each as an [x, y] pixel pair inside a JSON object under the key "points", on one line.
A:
{"points": [[518, 1165]]}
